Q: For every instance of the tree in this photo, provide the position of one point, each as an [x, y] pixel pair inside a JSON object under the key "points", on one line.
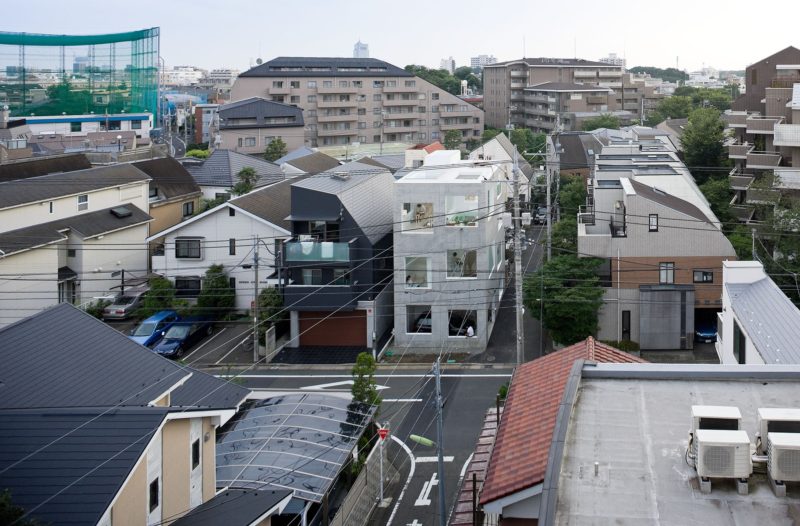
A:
{"points": [[526, 141], [565, 235], [275, 150], [606, 120], [702, 142], [452, 140], [568, 292], [718, 193], [247, 181], [572, 194], [668, 74], [217, 298], [364, 389], [489, 134], [473, 144], [10, 513], [198, 154], [742, 241], [160, 296], [270, 304], [675, 107], [466, 73]]}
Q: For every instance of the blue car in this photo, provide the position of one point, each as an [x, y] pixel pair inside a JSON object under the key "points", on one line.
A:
{"points": [[150, 331], [182, 335], [705, 331]]}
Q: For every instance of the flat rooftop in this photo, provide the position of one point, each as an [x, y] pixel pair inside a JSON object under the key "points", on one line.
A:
{"points": [[634, 421], [459, 172]]}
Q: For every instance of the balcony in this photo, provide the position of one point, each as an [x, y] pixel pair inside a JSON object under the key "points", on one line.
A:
{"points": [[337, 103], [456, 126], [400, 89], [279, 91], [455, 113], [518, 85], [400, 129], [596, 99], [335, 90], [735, 119], [742, 213], [515, 73], [739, 151], [787, 81], [740, 182], [584, 74], [762, 125], [337, 118], [763, 161], [787, 135], [402, 102], [763, 196], [543, 99], [336, 133], [316, 252]]}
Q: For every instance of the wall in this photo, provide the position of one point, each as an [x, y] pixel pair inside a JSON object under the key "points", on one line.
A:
{"points": [[176, 465], [169, 214], [361, 498], [63, 128], [293, 137], [209, 451], [21, 298], [131, 504]]}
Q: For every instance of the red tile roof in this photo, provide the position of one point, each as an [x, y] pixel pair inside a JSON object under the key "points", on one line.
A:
{"points": [[519, 456], [433, 147]]}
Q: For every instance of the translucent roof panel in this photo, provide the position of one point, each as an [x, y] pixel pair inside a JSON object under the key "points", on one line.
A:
{"points": [[296, 441]]}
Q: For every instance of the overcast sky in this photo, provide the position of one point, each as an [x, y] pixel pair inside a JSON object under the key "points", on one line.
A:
{"points": [[234, 33]]}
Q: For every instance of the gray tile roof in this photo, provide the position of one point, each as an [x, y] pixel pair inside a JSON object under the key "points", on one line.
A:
{"points": [[314, 163], [272, 203], [235, 507], [259, 109], [294, 154], [391, 161], [554, 62], [170, 178], [575, 150], [668, 200], [769, 318], [325, 67], [85, 225], [222, 167], [33, 189], [37, 166]]}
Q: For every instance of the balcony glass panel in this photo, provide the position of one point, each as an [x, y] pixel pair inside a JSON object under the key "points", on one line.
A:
{"points": [[300, 251]]}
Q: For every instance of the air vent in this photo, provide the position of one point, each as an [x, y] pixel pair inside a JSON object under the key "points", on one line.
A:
{"points": [[342, 176], [121, 211]]}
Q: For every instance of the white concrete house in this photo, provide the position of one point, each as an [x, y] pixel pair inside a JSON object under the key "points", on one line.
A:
{"points": [[758, 323], [225, 235], [500, 148], [67, 237]]}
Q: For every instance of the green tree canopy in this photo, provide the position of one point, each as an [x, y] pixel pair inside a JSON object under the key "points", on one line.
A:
{"points": [[217, 298], [452, 140], [718, 193], [489, 134], [270, 304], [606, 120], [198, 154], [438, 77], [568, 292], [275, 150], [702, 143], [565, 235], [572, 195], [10, 513], [160, 296], [364, 388], [247, 181], [668, 74], [466, 73]]}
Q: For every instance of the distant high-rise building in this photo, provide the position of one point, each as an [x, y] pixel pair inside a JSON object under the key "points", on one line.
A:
{"points": [[361, 50], [482, 60], [448, 64], [614, 60]]}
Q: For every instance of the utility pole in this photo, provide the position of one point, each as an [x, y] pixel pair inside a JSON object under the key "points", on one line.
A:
{"points": [[255, 299], [753, 250], [122, 283], [440, 441], [518, 263], [549, 218]]}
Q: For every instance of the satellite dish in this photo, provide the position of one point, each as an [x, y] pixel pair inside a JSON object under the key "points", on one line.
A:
{"points": [[259, 61]]}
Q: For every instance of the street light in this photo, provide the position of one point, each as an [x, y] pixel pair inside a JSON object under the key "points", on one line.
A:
{"points": [[119, 146]]}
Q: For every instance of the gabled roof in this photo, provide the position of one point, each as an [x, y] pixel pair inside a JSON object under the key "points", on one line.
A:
{"points": [[170, 177], [272, 203], [259, 109], [89, 225], [325, 67], [222, 166], [33, 189], [89, 454], [668, 200], [520, 453], [313, 163], [294, 154], [38, 166], [237, 507], [575, 150], [391, 161]]}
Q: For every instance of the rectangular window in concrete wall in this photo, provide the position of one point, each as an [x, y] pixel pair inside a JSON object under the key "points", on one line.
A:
{"points": [[463, 323], [462, 264], [653, 223], [666, 273], [418, 319], [294, 84], [461, 210], [417, 217], [418, 272], [312, 84], [187, 249], [83, 202]]}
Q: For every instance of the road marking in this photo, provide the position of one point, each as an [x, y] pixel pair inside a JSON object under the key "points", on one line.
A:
{"points": [[205, 342], [408, 480], [320, 387], [464, 469], [424, 375], [404, 400], [424, 498], [423, 460], [415, 523], [247, 339]]}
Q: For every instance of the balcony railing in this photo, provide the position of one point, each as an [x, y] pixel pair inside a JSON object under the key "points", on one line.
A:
{"points": [[337, 103], [337, 89], [518, 73], [740, 182], [762, 125], [316, 251], [763, 161], [785, 82], [336, 118], [583, 74], [735, 119], [403, 102], [787, 135], [618, 229], [763, 196], [400, 89], [739, 151]]}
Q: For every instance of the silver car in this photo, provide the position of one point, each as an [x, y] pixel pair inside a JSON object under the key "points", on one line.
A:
{"points": [[123, 305]]}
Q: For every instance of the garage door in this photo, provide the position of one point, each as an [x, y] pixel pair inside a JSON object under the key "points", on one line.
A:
{"points": [[343, 329]]}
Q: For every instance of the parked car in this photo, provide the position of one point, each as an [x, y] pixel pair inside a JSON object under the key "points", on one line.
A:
{"points": [[150, 331], [541, 216], [705, 331], [124, 305], [182, 335], [423, 323]]}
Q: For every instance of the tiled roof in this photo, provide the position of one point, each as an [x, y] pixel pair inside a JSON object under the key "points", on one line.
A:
{"points": [[294, 154], [259, 109], [222, 167], [314, 163], [553, 62], [272, 203], [519, 456], [37, 166], [236, 507], [287, 67], [170, 177]]}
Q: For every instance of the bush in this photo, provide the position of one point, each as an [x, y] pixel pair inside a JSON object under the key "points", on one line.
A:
{"points": [[270, 304], [199, 154], [95, 308], [623, 345], [217, 298], [161, 296]]}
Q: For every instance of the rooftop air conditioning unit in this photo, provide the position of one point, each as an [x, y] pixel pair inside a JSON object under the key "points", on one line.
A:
{"points": [[783, 457], [775, 420], [723, 454], [720, 417]]}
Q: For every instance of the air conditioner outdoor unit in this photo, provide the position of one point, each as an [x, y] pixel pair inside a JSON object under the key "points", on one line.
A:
{"points": [[775, 420], [723, 454], [721, 417], [783, 456]]}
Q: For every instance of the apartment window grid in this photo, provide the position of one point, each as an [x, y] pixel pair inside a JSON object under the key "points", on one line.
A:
{"points": [[666, 272]]}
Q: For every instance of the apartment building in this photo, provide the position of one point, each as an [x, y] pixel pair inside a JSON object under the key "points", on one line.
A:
{"points": [[206, 123], [249, 125], [661, 244], [481, 61], [552, 106], [360, 100], [449, 259]]}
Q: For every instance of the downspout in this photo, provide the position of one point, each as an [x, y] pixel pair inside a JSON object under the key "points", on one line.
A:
{"points": [[619, 307]]}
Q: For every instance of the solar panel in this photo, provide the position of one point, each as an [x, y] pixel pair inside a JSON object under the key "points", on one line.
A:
{"points": [[295, 441]]}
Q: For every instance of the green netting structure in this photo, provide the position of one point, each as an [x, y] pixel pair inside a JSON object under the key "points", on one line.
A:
{"points": [[79, 74]]}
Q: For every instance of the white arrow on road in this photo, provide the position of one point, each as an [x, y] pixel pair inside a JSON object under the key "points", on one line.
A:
{"points": [[343, 383], [424, 496]]}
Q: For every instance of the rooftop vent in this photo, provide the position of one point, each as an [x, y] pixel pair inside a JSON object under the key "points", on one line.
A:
{"points": [[342, 176], [121, 211]]}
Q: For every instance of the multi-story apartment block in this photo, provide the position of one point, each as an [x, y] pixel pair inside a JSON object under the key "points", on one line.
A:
{"points": [[182, 76], [448, 64], [449, 259], [661, 244], [206, 123], [348, 100], [361, 50], [614, 60], [481, 61], [553, 106], [249, 125]]}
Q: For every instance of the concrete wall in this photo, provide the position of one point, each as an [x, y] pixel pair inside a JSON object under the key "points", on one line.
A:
{"points": [[169, 214], [19, 297], [293, 136]]}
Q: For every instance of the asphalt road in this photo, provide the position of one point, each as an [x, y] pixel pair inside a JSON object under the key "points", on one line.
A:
{"points": [[178, 146]]}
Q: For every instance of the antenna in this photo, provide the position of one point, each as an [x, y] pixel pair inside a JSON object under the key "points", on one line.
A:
{"points": [[523, 46], [575, 46]]}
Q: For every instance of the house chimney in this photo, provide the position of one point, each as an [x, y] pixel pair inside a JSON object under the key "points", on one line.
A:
{"points": [[4, 114]]}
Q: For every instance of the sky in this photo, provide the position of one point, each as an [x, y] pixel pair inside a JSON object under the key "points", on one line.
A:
{"points": [[234, 33]]}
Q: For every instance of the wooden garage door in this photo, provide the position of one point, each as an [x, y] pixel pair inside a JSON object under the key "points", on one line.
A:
{"points": [[341, 329]]}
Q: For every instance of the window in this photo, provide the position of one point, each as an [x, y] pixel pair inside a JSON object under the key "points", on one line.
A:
{"points": [[232, 283], [231, 211], [195, 453], [434, 109], [232, 246], [295, 84], [249, 141], [391, 83], [277, 83], [462, 323], [434, 122], [362, 125], [114, 126], [312, 276], [462, 264], [753, 77], [434, 136], [666, 272], [294, 99], [187, 248], [153, 192], [362, 111], [417, 217], [187, 286], [421, 96], [358, 84], [418, 319], [223, 196], [327, 83], [277, 98], [311, 113], [361, 97], [341, 276], [136, 125], [434, 96], [461, 210], [739, 344], [653, 223], [268, 140], [154, 495], [83, 202], [312, 84], [71, 252], [418, 272], [311, 98], [74, 126], [410, 83], [51, 207], [421, 109], [188, 208], [376, 97], [377, 83], [343, 84], [703, 276]]}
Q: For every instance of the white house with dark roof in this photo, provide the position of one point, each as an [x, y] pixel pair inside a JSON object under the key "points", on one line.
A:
{"points": [[67, 237], [218, 174]]}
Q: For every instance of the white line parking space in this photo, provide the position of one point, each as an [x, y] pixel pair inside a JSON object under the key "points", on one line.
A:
{"points": [[246, 339], [408, 480], [422, 460], [209, 340]]}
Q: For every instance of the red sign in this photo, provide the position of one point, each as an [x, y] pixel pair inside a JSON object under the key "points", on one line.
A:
{"points": [[383, 432]]}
